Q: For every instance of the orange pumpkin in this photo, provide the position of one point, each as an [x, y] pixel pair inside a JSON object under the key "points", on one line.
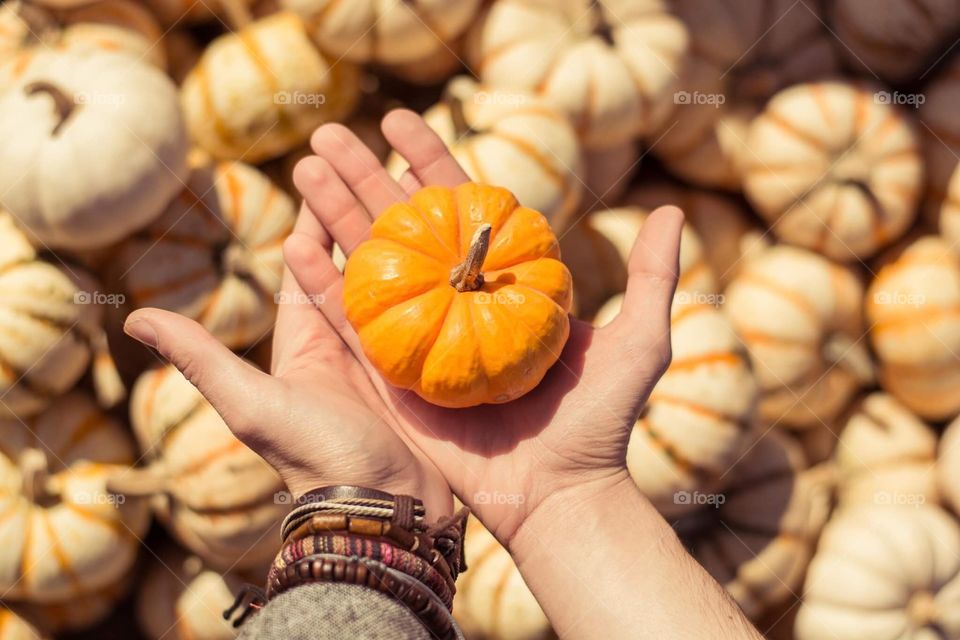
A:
{"points": [[460, 295]]}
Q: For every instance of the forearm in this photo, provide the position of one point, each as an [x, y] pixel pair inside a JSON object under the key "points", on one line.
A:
{"points": [[604, 564]]}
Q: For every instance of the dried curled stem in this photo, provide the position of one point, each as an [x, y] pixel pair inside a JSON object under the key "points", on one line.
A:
{"points": [[467, 275]]}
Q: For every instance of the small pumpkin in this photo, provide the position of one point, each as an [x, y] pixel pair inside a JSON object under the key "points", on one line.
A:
{"points": [[799, 316], [64, 102], [249, 99], [181, 598], [757, 536], [215, 255], [216, 496], [50, 330], [510, 139], [898, 43], [384, 32], [610, 65], [697, 420], [492, 600], [948, 465], [460, 295], [741, 54], [834, 168], [63, 534], [885, 574], [911, 309], [886, 455]]}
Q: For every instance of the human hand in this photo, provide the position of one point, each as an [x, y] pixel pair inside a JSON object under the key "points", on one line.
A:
{"points": [[569, 434]]}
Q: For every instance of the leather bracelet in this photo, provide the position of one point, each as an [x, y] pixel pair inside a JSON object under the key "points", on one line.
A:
{"points": [[404, 511], [372, 574]]}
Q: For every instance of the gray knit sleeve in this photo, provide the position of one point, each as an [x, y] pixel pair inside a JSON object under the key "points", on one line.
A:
{"points": [[333, 611]]}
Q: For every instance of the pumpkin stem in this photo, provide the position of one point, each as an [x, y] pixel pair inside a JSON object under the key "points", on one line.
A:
{"points": [[467, 276], [238, 15], [461, 127], [850, 355], [602, 28], [65, 104], [34, 473], [138, 482]]}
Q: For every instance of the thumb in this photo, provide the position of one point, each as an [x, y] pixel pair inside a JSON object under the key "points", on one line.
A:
{"points": [[234, 387]]}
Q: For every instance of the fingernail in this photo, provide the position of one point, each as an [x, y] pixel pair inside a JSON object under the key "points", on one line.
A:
{"points": [[143, 331]]}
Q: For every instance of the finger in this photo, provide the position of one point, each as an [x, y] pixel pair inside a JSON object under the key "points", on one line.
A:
{"points": [[334, 206], [409, 183], [429, 158], [358, 167], [235, 388], [653, 269]]}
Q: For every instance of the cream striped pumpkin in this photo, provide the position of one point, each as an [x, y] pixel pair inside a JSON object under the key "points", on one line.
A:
{"points": [[14, 627], [834, 168], [384, 32], [492, 600], [799, 316], [509, 139], [180, 598], [886, 456], [610, 65], [215, 255], [217, 497], [50, 330], [697, 420], [742, 53], [62, 534], [912, 308], [884, 574], [758, 542], [948, 465], [260, 92]]}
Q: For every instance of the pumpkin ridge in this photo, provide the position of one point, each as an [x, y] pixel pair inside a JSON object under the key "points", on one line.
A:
{"points": [[454, 251], [250, 43], [168, 431], [699, 409], [146, 293], [206, 88], [93, 516], [938, 314], [56, 549], [787, 126], [407, 246], [681, 462], [706, 358], [528, 149], [781, 290]]}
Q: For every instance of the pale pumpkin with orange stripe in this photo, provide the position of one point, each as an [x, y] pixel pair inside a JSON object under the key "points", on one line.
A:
{"points": [[215, 255], [259, 92], [610, 65], [697, 420], [510, 139], [492, 600], [742, 53], [50, 329], [757, 535], [834, 167], [14, 627], [886, 456], [913, 309], [460, 295], [799, 316], [63, 535], [384, 32], [217, 497]]}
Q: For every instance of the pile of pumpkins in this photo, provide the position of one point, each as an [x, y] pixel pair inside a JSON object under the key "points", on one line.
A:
{"points": [[805, 440]]}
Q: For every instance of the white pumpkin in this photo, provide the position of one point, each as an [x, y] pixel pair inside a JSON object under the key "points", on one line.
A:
{"points": [[181, 598], [215, 255], [260, 92], [510, 139], [218, 498], [914, 329], [607, 174], [948, 465], [697, 420], [756, 537], [834, 168], [50, 330], [886, 456], [492, 600], [799, 316], [899, 42], [610, 65], [94, 147], [884, 573], [63, 535], [384, 32], [742, 53]]}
